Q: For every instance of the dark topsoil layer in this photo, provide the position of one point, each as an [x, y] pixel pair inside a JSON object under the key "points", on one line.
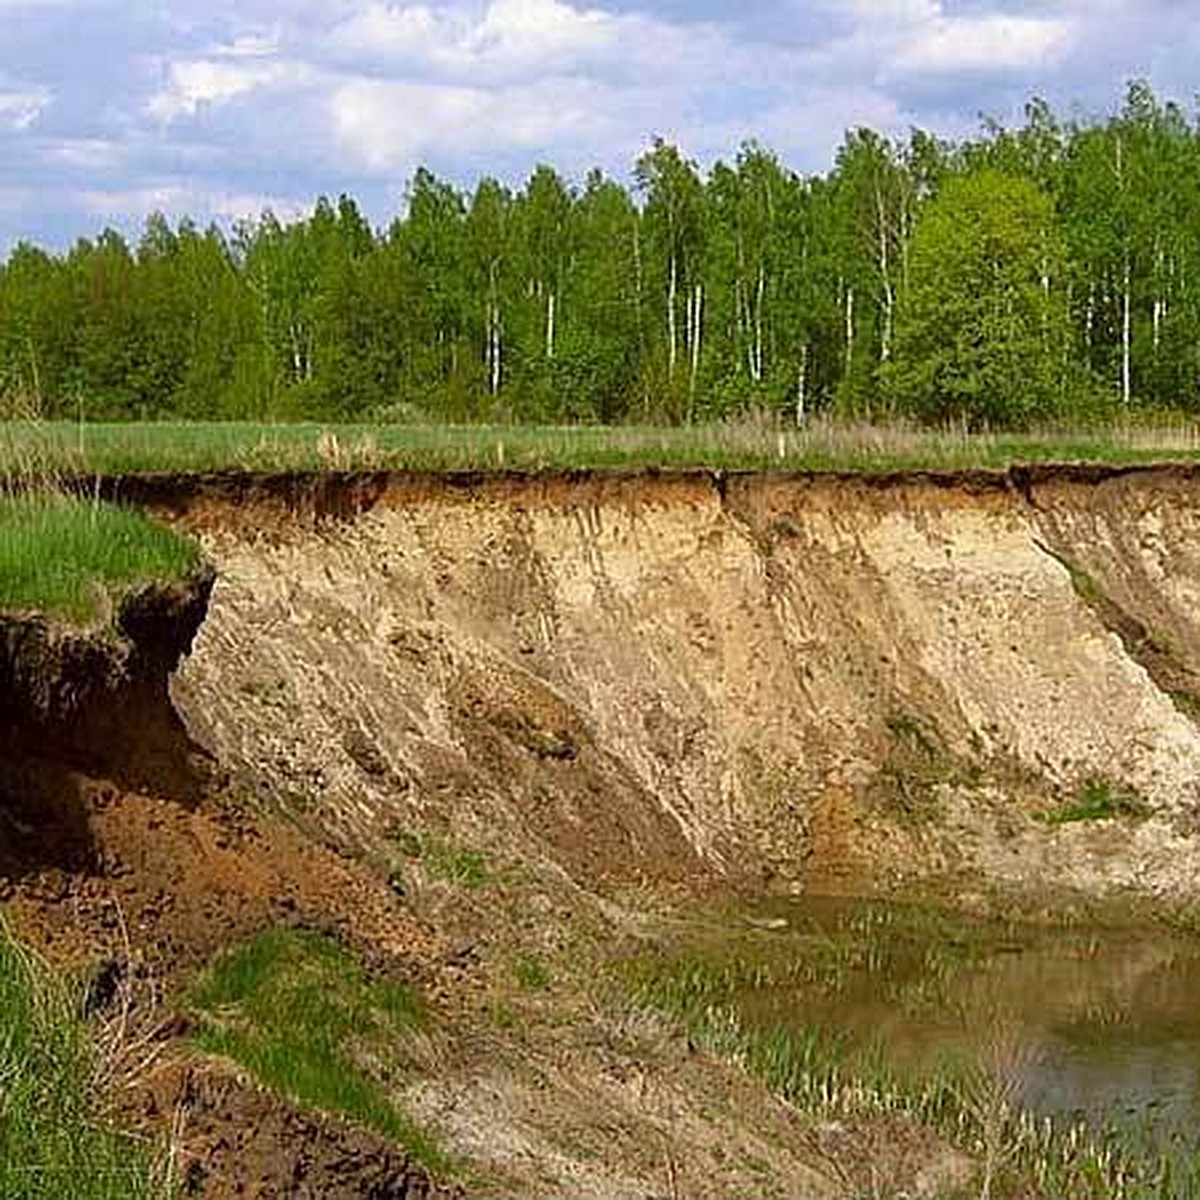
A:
{"points": [[345, 493], [97, 698]]}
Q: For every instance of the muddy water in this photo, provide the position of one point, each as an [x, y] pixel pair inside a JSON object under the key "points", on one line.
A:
{"points": [[1095, 1024]]}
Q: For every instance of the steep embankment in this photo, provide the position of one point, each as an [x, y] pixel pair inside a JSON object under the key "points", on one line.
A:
{"points": [[747, 679], [115, 860], [506, 717]]}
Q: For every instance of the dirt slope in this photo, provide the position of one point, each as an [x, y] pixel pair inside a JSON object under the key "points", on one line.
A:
{"points": [[481, 724], [688, 678]]}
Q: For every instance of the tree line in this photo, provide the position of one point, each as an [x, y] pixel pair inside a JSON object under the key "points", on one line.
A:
{"points": [[1048, 271]]}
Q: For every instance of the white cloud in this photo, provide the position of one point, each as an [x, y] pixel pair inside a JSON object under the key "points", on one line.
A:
{"points": [[131, 202], [248, 45], [890, 12], [21, 107], [508, 37], [920, 41], [211, 82], [85, 154], [122, 206], [389, 125], [544, 30], [985, 43]]}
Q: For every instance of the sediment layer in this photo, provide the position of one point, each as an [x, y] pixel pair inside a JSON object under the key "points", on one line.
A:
{"points": [[701, 676]]}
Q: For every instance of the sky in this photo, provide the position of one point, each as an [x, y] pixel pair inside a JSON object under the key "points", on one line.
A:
{"points": [[113, 109]]}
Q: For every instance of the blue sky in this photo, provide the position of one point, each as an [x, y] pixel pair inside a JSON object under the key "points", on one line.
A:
{"points": [[111, 110]]}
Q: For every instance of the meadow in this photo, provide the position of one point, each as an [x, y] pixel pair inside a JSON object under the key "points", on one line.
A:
{"points": [[90, 449]]}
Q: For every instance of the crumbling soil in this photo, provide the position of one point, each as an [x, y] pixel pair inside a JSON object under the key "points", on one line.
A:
{"points": [[235, 1140], [139, 892], [96, 698], [137, 889], [606, 690]]}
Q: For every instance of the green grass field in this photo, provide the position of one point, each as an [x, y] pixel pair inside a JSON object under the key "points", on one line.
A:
{"points": [[74, 559], [115, 449], [71, 558]]}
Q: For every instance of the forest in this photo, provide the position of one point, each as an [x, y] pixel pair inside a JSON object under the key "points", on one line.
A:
{"points": [[1044, 273]]}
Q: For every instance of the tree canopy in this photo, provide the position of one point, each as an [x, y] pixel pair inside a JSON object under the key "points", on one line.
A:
{"points": [[1026, 273], [982, 331]]}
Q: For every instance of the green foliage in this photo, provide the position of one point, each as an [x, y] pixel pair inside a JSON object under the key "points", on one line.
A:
{"points": [[72, 558], [531, 973], [1043, 271], [1099, 799], [982, 332], [445, 860], [1084, 583], [53, 1140], [296, 1010]]}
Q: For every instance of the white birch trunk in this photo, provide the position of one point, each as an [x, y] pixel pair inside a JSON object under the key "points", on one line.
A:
{"points": [[849, 330], [1159, 301], [494, 343], [298, 373], [697, 325], [35, 375], [802, 386], [1126, 336], [672, 332], [496, 352], [885, 274], [758, 324], [551, 300]]}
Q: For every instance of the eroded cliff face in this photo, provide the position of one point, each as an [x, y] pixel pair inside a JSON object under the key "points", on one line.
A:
{"points": [[96, 698], [602, 692], [790, 682]]}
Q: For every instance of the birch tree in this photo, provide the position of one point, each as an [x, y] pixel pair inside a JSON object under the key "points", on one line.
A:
{"points": [[673, 226], [980, 339]]}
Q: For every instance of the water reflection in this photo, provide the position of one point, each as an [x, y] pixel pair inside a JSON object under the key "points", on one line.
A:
{"points": [[1098, 1024]]}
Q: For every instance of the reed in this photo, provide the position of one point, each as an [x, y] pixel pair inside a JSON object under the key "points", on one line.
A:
{"points": [[971, 1103]]}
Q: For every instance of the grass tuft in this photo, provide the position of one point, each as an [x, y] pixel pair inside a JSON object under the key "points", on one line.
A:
{"points": [[531, 974], [53, 1142], [74, 558], [298, 1012], [1099, 799], [444, 859]]}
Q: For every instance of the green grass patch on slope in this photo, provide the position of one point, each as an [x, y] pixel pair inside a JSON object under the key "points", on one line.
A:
{"points": [[69, 557], [1099, 799], [822, 445], [300, 1014], [53, 1140]]}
